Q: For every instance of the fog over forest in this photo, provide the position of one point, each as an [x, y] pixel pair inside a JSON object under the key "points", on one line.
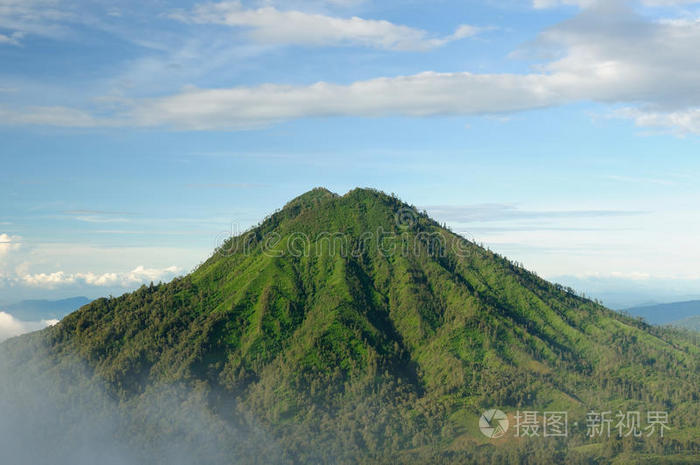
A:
{"points": [[54, 413]]}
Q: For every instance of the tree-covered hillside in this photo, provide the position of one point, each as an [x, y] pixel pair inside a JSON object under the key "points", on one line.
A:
{"points": [[354, 329]]}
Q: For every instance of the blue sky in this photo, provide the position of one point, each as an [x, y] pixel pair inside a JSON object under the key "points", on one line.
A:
{"points": [[562, 133]]}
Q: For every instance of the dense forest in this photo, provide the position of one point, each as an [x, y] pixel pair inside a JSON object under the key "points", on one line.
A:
{"points": [[355, 329]]}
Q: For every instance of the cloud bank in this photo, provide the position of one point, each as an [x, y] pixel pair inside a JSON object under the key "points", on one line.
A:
{"points": [[138, 275], [57, 411], [8, 243], [11, 327]]}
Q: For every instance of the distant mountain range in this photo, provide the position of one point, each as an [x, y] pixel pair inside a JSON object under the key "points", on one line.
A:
{"points": [[692, 323], [354, 329], [37, 310], [675, 313]]}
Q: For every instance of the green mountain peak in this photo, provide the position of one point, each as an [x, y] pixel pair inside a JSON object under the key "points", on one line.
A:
{"points": [[314, 196], [357, 325]]}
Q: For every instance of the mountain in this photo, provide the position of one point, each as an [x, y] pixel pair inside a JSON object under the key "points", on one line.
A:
{"points": [[36, 310], [661, 314], [692, 323], [353, 329]]}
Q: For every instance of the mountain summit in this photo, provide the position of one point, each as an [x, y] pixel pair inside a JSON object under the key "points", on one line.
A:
{"points": [[355, 329]]}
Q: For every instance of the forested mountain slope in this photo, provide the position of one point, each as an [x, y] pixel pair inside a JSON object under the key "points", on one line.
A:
{"points": [[354, 329]]}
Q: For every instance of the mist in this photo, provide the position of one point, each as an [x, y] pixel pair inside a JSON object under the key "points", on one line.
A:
{"points": [[11, 326], [57, 412]]}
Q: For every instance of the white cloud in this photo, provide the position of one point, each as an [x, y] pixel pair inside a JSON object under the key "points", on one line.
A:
{"points": [[423, 94], [613, 56], [680, 122], [8, 243], [138, 275], [669, 2], [312, 3], [100, 219], [609, 54], [273, 26], [11, 327], [506, 212], [49, 280], [40, 269], [52, 116], [39, 17], [624, 58], [541, 4], [12, 39]]}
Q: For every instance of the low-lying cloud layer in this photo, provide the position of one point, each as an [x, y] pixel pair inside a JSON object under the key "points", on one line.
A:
{"points": [[8, 243], [138, 275], [11, 327], [56, 411]]}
